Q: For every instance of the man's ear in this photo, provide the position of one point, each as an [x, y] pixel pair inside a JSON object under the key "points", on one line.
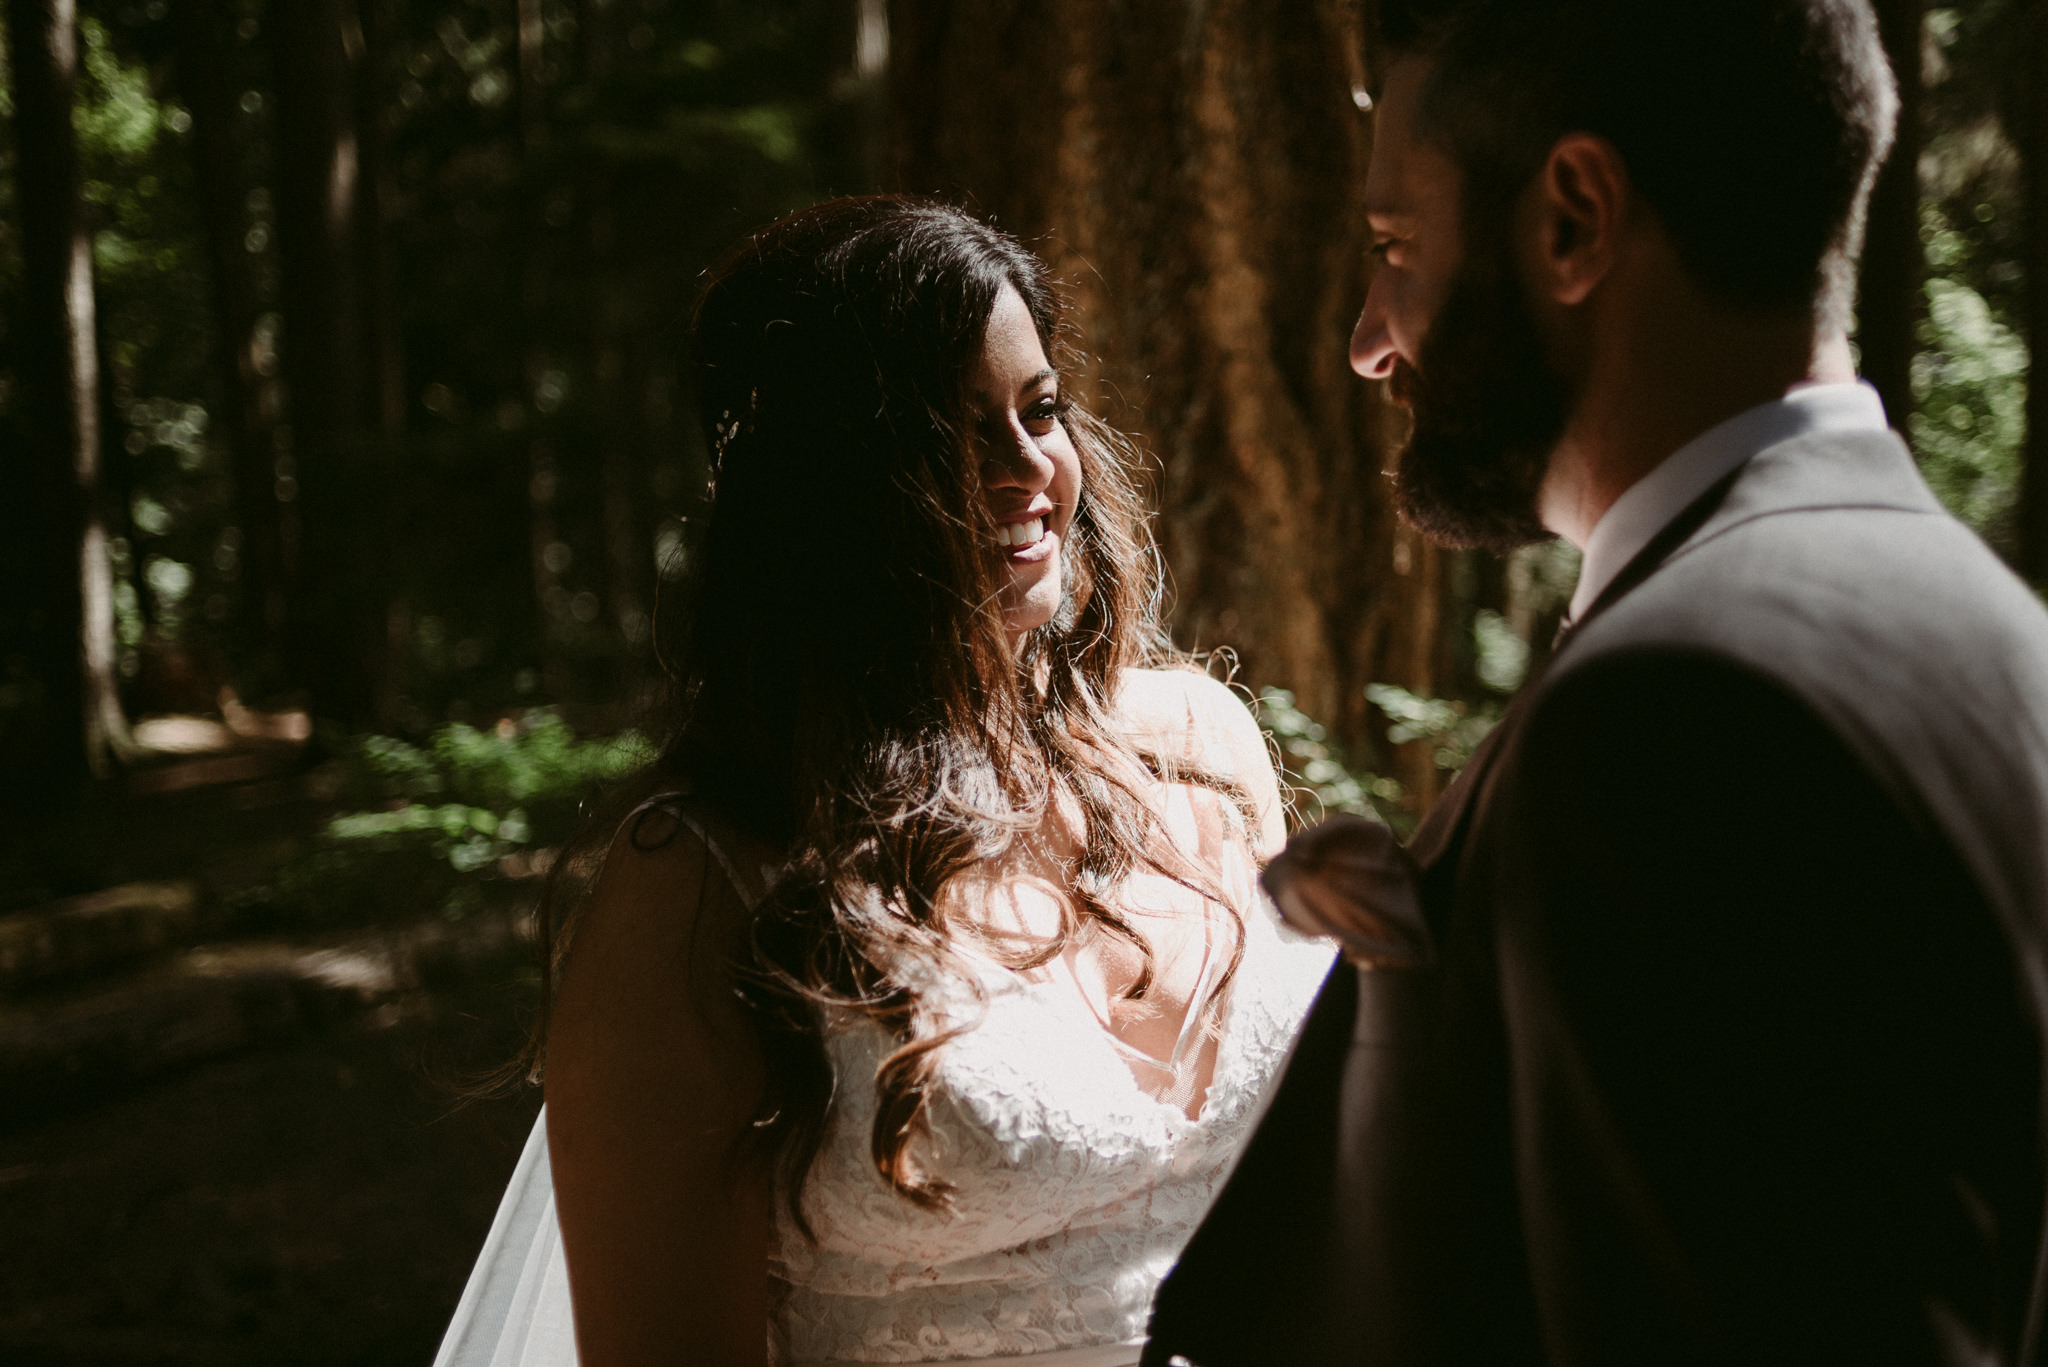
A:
{"points": [[1578, 202]]}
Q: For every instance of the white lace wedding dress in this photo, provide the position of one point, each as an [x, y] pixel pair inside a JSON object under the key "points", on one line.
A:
{"points": [[1074, 1187]]}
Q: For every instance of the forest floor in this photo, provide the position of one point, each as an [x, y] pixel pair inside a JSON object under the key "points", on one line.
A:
{"points": [[227, 1139]]}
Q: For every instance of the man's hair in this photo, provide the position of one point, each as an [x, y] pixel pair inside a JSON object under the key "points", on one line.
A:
{"points": [[1754, 128]]}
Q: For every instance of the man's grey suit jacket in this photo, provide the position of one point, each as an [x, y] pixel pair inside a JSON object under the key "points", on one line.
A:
{"points": [[1732, 1045]]}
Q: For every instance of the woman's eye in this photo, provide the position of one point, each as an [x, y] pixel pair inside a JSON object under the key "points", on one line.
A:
{"points": [[1041, 417]]}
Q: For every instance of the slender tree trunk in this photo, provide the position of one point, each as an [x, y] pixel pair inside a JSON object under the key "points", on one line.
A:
{"points": [[383, 343], [250, 394], [2034, 142], [543, 476], [338, 620], [71, 645], [618, 471], [628, 575], [1194, 173], [1889, 301]]}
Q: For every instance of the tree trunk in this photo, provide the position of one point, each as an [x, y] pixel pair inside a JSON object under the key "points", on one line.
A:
{"points": [[1193, 172], [628, 564], [1889, 297], [2033, 139], [543, 478], [383, 342], [71, 638], [250, 395], [621, 477], [338, 620]]}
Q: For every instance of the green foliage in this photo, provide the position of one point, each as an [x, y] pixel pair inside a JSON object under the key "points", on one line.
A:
{"points": [[1314, 767], [118, 117], [1971, 387], [1970, 378], [450, 825], [1451, 727], [536, 757], [1503, 657], [467, 837], [472, 797]]}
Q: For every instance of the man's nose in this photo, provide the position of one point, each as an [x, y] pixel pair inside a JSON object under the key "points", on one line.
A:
{"points": [[1372, 345]]}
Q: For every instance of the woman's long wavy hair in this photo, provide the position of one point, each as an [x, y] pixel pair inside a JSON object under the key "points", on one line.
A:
{"points": [[845, 689]]}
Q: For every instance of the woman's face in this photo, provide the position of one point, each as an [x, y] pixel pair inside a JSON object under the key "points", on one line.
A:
{"points": [[1029, 470]]}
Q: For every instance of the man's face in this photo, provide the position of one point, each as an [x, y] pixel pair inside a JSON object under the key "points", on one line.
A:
{"points": [[1447, 324]]}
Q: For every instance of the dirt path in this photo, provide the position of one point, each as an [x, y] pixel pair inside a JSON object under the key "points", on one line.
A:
{"points": [[314, 1203]]}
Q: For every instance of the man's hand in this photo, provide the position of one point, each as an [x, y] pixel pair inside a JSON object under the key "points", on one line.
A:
{"points": [[1349, 879]]}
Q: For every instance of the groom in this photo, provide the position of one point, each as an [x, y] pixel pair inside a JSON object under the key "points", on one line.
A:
{"points": [[1717, 1033]]}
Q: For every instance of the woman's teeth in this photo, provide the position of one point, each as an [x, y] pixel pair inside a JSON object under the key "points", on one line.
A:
{"points": [[1013, 534]]}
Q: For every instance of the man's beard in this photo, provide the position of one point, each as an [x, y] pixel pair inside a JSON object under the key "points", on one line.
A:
{"points": [[1488, 410]]}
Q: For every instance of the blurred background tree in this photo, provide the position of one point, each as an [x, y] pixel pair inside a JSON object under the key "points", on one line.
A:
{"points": [[1193, 172], [348, 449]]}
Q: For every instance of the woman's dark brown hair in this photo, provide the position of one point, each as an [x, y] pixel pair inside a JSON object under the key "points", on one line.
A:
{"points": [[845, 688]]}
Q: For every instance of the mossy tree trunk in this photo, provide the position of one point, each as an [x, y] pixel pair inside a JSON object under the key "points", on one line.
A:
{"points": [[1194, 172]]}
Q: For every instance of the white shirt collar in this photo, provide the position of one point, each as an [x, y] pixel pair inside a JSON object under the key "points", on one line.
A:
{"points": [[1652, 501]]}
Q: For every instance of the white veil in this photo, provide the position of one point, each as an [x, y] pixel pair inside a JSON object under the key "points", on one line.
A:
{"points": [[515, 1310]]}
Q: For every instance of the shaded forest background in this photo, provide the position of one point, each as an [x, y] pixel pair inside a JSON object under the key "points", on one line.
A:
{"points": [[342, 361], [347, 459]]}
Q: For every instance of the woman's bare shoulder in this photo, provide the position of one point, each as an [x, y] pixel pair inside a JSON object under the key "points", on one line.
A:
{"points": [[649, 961], [653, 1075], [1183, 711], [1192, 718], [661, 884]]}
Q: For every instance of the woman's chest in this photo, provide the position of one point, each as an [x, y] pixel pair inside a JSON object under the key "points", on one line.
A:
{"points": [[1136, 944], [1032, 1122]]}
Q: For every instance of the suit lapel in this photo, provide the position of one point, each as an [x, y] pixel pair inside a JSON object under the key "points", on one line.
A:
{"points": [[1442, 831]]}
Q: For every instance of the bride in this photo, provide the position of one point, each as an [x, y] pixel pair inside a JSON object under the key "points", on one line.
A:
{"points": [[925, 994]]}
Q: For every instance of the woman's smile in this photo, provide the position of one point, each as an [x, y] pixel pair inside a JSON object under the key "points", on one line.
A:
{"points": [[1017, 535], [1030, 472]]}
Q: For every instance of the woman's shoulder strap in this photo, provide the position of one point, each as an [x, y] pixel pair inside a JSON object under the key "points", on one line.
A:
{"points": [[736, 854]]}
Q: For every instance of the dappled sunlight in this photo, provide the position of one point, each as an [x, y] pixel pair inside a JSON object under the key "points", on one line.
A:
{"points": [[183, 736]]}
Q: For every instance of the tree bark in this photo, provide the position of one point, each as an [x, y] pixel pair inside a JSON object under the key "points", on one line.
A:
{"points": [[628, 563], [2033, 139], [338, 622], [1889, 295], [543, 476], [1193, 172], [621, 477], [382, 340], [71, 628], [250, 394]]}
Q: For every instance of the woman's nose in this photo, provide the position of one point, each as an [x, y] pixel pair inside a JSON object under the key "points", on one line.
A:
{"points": [[1012, 460]]}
